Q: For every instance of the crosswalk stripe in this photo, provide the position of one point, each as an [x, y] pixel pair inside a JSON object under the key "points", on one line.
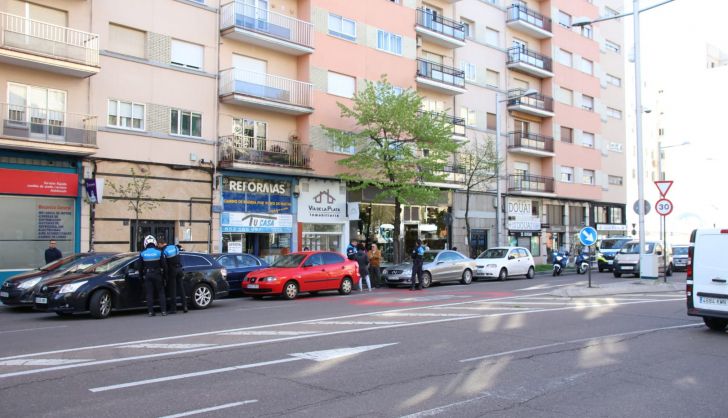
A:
{"points": [[169, 346], [269, 333], [41, 362], [355, 322], [424, 314]]}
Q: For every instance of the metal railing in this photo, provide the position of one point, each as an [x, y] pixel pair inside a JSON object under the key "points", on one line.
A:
{"points": [[263, 21], [23, 34], [523, 13], [458, 124], [518, 54], [241, 149], [47, 125], [265, 86], [441, 73], [440, 24], [529, 183], [538, 101], [519, 139]]}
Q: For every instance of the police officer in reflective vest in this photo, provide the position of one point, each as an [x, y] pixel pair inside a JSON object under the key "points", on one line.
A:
{"points": [[417, 259], [153, 274], [173, 268]]}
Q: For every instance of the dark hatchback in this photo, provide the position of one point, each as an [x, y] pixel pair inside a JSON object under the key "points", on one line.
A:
{"points": [[238, 266], [115, 284], [18, 290]]}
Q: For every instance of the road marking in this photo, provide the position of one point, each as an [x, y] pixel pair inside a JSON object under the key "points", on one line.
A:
{"points": [[213, 408], [168, 346], [484, 308], [41, 362], [441, 409], [543, 286], [418, 314], [32, 329], [579, 340], [355, 322], [268, 333]]}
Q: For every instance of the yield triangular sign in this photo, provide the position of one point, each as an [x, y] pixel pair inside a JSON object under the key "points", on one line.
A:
{"points": [[663, 186]]}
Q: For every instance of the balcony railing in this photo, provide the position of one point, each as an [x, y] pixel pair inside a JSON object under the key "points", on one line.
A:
{"points": [[537, 101], [440, 24], [263, 21], [524, 14], [529, 183], [518, 139], [458, 124], [241, 149], [441, 73], [520, 55], [27, 35], [47, 125], [266, 86]]}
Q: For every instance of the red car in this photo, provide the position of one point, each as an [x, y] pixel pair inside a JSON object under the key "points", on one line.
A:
{"points": [[309, 271]]}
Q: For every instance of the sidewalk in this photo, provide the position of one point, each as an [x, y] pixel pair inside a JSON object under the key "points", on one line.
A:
{"points": [[632, 286]]}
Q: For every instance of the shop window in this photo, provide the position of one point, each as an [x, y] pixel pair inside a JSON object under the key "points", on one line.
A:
{"points": [[322, 237]]}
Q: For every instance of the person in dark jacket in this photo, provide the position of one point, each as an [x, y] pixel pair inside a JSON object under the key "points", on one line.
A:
{"points": [[52, 253], [351, 250], [362, 259], [417, 260], [152, 273], [173, 273]]}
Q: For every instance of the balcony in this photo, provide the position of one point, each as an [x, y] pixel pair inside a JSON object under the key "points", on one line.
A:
{"points": [[528, 143], [265, 91], [37, 129], [440, 30], [43, 46], [239, 152], [458, 124], [537, 105], [525, 20], [266, 29], [440, 78], [529, 62], [529, 185]]}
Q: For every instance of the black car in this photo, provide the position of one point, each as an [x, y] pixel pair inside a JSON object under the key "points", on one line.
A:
{"points": [[18, 290], [115, 284], [238, 266]]}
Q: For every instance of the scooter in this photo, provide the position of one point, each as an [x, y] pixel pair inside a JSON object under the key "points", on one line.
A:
{"points": [[560, 262], [582, 262]]}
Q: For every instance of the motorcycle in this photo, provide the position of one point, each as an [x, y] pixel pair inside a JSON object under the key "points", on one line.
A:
{"points": [[560, 262], [582, 263]]}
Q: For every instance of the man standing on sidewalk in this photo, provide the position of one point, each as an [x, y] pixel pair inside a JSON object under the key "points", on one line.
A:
{"points": [[375, 259], [52, 253]]}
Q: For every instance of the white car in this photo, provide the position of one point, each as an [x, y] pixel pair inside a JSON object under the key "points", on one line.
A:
{"points": [[504, 262], [707, 279]]}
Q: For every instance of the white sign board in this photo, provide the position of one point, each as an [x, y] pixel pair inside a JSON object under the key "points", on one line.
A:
{"points": [[321, 202], [611, 227], [256, 222], [519, 213], [235, 247]]}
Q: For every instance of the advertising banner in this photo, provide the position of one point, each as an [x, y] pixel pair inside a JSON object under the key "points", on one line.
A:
{"points": [[256, 195], [45, 183], [256, 222], [519, 213], [322, 202]]}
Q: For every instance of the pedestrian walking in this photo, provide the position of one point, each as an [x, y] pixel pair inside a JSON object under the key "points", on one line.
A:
{"points": [[173, 272], [375, 260], [363, 259], [52, 253], [417, 259], [352, 249], [153, 274]]}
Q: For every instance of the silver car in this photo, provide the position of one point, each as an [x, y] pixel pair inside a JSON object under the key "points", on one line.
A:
{"points": [[438, 266]]}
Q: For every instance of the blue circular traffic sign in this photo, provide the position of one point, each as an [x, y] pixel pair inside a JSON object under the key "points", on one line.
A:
{"points": [[588, 236]]}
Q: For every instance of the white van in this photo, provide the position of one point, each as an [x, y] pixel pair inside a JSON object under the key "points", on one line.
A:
{"points": [[707, 279]]}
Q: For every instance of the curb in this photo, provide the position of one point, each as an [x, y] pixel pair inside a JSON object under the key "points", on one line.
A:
{"points": [[617, 289]]}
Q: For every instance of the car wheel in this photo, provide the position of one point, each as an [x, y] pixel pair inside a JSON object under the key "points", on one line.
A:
{"points": [[201, 296], [346, 286], [467, 277], [426, 280], [503, 274], [669, 270], [531, 273], [100, 304], [715, 324], [290, 290], [617, 275]]}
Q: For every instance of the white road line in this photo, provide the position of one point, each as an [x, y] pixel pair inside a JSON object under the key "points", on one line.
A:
{"points": [[213, 408], [485, 308], [32, 329], [41, 362], [418, 314], [269, 333], [441, 409], [580, 340], [168, 346], [355, 322]]}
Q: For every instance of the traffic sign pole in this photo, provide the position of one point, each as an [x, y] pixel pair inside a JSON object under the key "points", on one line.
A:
{"points": [[588, 237]]}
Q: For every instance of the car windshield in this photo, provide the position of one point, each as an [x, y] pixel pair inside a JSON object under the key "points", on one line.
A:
{"points": [[494, 253], [679, 250], [289, 261], [109, 264], [634, 248], [612, 244], [61, 264]]}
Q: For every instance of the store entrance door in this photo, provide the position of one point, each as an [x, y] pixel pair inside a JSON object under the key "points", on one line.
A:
{"points": [[157, 229]]}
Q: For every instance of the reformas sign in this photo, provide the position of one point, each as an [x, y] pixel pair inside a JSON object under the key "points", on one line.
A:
{"points": [[251, 195]]}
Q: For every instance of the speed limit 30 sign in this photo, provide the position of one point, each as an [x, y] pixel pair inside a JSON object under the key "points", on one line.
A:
{"points": [[663, 207]]}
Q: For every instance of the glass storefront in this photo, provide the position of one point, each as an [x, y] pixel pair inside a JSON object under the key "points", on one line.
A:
{"points": [[266, 246], [533, 243], [322, 236]]}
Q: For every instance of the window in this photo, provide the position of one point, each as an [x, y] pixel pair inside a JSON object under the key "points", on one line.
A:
{"points": [[616, 180], [615, 147], [191, 260], [126, 115], [492, 37], [335, 145], [520, 84], [469, 69], [491, 121], [588, 177], [37, 12], [567, 174], [564, 58], [611, 46], [615, 81], [564, 19], [566, 96], [587, 139], [491, 78], [44, 108], [469, 116], [185, 123], [332, 258], [576, 215], [555, 214], [342, 27], [600, 215], [187, 55], [468, 28], [127, 41], [250, 133], [587, 66], [615, 215], [431, 105], [389, 42], [586, 31], [567, 134], [587, 102], [614, 113], [341, 85]]}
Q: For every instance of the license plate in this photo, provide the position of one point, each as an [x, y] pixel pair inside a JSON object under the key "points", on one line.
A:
{"points": [[626, 267], [394, 279], [610, 261], [41, 300], [253, 286], [713, 301], [4, 294]]}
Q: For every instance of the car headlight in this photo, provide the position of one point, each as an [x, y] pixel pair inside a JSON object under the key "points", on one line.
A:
{"points": [[29, 283], [72, 287], [268, 279]]}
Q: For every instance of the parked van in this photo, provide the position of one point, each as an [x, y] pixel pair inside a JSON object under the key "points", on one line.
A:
{"points": [[607, 249], [627, 260], [707, 277]]}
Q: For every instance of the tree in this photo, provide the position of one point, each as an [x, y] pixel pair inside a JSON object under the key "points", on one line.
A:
{"points": [[136, 193], [400, 149], [479, 161]]}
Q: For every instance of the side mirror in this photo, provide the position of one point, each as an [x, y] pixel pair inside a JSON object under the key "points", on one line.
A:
{"points": [[511, 257], [308, 264], [659, 253]]}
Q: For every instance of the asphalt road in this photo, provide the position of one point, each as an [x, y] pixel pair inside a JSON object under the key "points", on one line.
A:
{"points": [[488, 349]]}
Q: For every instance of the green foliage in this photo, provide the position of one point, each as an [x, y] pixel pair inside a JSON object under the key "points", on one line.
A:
{"points": [[135, 192]]}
